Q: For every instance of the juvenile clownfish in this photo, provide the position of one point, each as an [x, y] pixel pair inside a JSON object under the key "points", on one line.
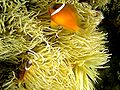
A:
{"points": [[64, 15], [25, 69]]}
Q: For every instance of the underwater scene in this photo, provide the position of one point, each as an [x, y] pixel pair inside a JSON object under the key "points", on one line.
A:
{"points": [[59, 45]]}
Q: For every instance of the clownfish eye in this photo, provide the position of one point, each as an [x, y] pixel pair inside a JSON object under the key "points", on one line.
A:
{"points": [[55, 6]]}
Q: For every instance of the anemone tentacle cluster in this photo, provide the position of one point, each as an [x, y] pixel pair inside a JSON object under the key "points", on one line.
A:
{"points": [[61, 60]]}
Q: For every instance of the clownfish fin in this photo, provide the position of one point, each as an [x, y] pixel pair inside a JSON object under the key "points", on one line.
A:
{"points": [[76, 28], [73, 29], [53, 24]]}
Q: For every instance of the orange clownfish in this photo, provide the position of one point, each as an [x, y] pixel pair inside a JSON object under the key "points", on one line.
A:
{"points": [[22, 72], [64, 15]]}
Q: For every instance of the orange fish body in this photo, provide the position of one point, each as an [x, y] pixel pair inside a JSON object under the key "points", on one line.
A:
{"points": [[64, 15], [24, 70]]}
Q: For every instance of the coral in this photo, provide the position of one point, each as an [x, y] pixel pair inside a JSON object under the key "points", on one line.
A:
{"points": [[61, 60]]}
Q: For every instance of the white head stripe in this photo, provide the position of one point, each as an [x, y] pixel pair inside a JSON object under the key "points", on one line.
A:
{"points": [[30, 63], [56, 11]]}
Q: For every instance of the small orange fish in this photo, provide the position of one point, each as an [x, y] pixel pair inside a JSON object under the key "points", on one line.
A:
{"points": [[64, 15], [24, 70]]}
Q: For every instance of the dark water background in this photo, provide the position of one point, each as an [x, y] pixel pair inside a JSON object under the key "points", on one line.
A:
{"points": [[111, 25]]}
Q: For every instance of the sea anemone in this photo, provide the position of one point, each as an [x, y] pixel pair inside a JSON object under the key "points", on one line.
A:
{"points": [[59, 59]]}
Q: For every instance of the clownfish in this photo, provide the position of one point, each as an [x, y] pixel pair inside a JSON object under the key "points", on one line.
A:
{"points": [[64, 15], [27, 66]]}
